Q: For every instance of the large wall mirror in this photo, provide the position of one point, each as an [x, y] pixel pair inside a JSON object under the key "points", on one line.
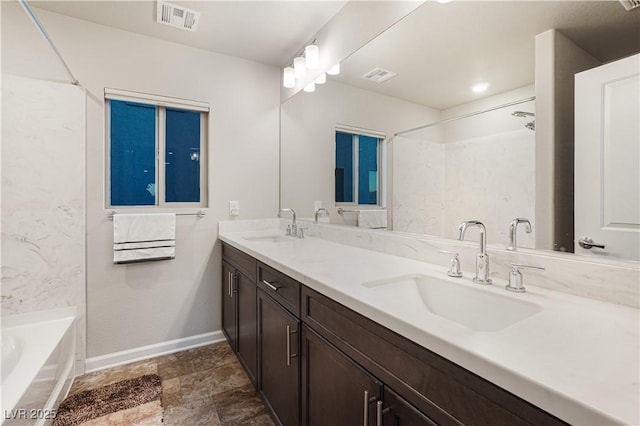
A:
{"points": [[452, 91]]}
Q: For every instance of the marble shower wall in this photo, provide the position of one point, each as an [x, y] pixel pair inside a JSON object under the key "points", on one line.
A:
{"points": [[490, 178], [418, 186], [43, 197]]}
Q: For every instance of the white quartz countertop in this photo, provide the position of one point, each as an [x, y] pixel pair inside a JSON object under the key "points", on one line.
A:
{"points": [[577, 358]]}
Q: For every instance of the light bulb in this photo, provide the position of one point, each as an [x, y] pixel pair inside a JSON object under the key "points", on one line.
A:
{"points": [[334, 70], [289, 78], [480, 87], [322, 79], [299, 67], [311, 87], [312, 56]]}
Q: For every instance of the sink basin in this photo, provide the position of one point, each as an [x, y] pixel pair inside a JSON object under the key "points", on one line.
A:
{"points": [[269, 239], [475, 308]]}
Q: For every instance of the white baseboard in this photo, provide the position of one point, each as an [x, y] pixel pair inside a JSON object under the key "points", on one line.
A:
{"points": [[144, 352]]}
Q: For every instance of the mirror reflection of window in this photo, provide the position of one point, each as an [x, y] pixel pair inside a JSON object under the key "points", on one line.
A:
{"points": [[357, 168]]}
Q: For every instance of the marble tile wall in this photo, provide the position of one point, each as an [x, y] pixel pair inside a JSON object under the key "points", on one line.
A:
{"points": [[43, 197], [489, 178], [418, 186], [492, 179]]}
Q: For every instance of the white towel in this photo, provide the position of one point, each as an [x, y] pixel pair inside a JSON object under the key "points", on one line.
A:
{"points": [[372, 218], [142, 237]]}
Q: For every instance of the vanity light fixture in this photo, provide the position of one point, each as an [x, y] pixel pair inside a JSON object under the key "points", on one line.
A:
{"points": [[312, 56], [300, 67], [289, 78], [479, 87], [308, 59]]}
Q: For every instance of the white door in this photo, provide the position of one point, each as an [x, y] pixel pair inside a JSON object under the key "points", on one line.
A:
{"points": [[607, 159]]}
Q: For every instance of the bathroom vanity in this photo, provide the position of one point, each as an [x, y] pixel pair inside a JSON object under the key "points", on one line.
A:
{"points": [[329, 334]]}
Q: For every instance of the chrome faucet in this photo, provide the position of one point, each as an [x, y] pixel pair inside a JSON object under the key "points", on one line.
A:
{"points": [[292, 229], [482, 259], [321, 209], [513, 228]]}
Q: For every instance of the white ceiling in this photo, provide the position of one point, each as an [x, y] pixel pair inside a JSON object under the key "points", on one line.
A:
{"points": [[440, 50], [271, 32]]}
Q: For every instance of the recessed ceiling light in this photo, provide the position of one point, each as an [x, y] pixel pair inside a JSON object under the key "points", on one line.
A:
{"points": [[480, 87], [445, 1]]}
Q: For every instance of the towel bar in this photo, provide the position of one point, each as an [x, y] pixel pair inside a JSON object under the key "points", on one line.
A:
{"points": [[199, 213], [341, 210]]}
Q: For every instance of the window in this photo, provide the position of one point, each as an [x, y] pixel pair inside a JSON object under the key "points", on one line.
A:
{"points": [[155, 150], [358, 167]]}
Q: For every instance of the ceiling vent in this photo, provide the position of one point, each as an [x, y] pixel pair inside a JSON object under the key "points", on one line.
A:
{"points": [[177, 16], [379, 75], [630, 4]]}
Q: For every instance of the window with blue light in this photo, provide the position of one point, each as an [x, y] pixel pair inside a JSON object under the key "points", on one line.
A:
{"points": [[155, 155], [182, 156], [357, 170], [133, 154]]}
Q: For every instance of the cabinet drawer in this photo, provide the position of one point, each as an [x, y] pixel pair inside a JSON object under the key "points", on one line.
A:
{"points": [[282, 288], [444, 391], [241, 261]]}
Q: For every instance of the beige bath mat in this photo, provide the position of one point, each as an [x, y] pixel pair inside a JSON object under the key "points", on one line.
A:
{"points": [[128, 402]]}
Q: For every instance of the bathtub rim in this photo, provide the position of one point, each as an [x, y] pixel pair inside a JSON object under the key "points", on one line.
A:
{"points": [[19, 385]]}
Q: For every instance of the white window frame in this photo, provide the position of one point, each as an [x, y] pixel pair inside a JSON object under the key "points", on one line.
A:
{"points": [[357, 132], [162, 103]]}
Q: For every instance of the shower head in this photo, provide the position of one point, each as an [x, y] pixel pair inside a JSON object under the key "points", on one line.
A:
{"points": [[522, 114]]}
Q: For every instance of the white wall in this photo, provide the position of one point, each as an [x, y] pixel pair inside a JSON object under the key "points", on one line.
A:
{"points": [[557, 61], [308, 138], [143, 304]]}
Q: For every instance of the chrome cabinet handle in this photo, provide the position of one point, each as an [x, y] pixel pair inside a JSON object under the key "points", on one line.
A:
{"points": [[288, 346], [289, 354], [229, 280], [587, 243], [367, 400], [271, 286], [366, 408], [379, 413]]}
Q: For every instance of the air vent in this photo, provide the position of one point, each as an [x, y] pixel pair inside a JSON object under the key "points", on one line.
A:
{"points": [[630, 4], [379, 75], [177, 16]]}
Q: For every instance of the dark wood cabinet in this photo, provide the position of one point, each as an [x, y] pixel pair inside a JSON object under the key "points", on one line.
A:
{"points": [[320, 363], [247, 346], [396, 411], [239, 307], [278, 349], [335, 390], [229, 321]]}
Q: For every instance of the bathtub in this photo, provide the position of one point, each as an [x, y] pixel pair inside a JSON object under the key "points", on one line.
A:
{"points": [[38, 358]]}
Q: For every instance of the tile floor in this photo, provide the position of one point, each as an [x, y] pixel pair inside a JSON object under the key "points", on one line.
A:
{"points": [[202, 386]]}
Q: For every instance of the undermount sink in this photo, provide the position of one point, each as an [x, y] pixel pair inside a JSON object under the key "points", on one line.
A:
{"points": [[475, 308], [269, 239]]}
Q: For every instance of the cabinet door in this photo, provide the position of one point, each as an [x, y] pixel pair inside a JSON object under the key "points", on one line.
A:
{"points": [[335, 390], [396, 411], [247, 332], [229, 318], [279, 371]]}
